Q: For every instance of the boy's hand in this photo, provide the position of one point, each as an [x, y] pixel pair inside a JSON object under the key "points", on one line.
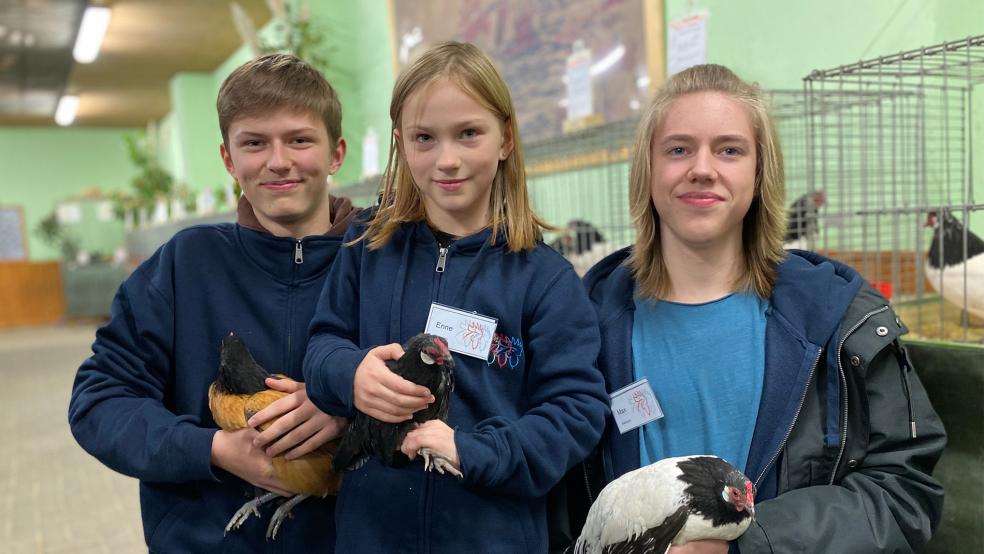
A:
{"points": [[302, 427], [708, 546], [384, 395], [235, 453], [436, 435]]}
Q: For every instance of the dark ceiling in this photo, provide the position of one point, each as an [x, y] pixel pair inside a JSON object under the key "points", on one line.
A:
{"points": [[147, 43]]}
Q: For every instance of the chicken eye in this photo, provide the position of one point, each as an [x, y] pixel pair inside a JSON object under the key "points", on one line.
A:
{"points": [[424, 357]]}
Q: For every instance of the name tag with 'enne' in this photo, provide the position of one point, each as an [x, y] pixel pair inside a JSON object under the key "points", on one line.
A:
{"points": [[467, 333]]}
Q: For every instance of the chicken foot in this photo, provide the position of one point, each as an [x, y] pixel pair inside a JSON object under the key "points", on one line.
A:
{"points": [[282, 513], [248, 508], [435, 460]]}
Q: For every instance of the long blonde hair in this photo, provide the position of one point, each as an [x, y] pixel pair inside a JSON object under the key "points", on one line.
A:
{"points": [[509, 206], [763, 227]]}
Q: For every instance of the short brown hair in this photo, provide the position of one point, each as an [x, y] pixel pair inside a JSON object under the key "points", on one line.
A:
{"points": [[277, 81], [763, 227], [509, 208]]}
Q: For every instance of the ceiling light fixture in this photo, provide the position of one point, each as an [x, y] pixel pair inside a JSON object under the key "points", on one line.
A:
{"points": [[67, 107], [91, 32]]}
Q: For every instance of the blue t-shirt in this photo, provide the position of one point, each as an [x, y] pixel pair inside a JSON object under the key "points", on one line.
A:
{"points": [[705, 363]]}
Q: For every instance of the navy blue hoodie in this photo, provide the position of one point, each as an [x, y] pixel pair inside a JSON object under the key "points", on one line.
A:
{"points": [[522, 417], [140, 405]]}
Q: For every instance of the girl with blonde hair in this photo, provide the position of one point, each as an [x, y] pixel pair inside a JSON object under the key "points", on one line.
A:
{"points": [[454, 249]]}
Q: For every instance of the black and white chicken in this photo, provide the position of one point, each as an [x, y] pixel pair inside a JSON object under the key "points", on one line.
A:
{"points": [[945, 263], [802, 217], [582, 244], [670, 502], [426, 361]]}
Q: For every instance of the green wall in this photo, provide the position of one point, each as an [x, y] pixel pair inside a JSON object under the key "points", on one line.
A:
{"points": [[357, 46], [194, 131], [778, 42], [361, 69], [42, 166]]}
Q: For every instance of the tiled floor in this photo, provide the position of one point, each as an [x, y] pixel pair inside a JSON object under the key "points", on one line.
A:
{"points": [[53, 496]]}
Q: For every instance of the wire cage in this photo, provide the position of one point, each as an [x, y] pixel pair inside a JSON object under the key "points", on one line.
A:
{"points": [[890, 150], [579, 182]]}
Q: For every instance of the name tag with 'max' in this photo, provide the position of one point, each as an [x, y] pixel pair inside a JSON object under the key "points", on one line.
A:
{"points": [[634, 406], [467, 333]]}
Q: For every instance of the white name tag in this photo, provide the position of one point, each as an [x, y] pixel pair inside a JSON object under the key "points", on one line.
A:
{"points": [[466, 332], [634, 406]]}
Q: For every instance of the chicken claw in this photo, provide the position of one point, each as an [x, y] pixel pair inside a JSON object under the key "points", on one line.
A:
{"points": [[435, 460], [282, 513], [248, 508]]}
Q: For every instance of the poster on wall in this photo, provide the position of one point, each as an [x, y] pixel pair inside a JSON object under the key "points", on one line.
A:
{"points": [[686, 43], [12, 234], [531, 43], [68, 213]]}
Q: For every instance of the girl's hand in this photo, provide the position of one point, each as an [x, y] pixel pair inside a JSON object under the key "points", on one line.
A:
{"points": [[302, 427], [384, 395], [436, 435], [709, 546]]}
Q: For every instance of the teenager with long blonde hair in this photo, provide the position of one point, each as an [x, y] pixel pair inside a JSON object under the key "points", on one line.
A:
{"points": [[786, 364]]}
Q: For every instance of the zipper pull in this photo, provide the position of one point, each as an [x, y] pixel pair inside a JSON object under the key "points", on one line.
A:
{"points": [[298, 252], [442, 260]]}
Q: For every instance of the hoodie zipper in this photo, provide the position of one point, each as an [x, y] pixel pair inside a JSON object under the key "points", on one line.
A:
{"points": [[442, 259], [298, 259], [843, 377], [789, 431], [425, 517]]}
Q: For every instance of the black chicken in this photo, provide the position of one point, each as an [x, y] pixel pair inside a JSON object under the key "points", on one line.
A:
{"points": [[670, 502], [426, 361]]}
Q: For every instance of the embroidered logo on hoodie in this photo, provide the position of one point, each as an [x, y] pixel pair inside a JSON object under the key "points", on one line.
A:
{"points": [[505, 351]]}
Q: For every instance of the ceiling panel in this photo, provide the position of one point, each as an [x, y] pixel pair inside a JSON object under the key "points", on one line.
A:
{"points": [[147, 43], [36, 39]]}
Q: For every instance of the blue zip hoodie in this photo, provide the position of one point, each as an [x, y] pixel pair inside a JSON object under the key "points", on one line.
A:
{"points": [[140, 405], [809, 301], [522, 417]]}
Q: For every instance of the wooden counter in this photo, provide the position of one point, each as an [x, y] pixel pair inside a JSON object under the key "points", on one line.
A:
{"points": [[31, 293]]}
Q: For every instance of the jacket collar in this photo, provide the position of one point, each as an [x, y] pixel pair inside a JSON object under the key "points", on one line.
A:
{"points": [[342, 215], [277, 256], [811, 296]]}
